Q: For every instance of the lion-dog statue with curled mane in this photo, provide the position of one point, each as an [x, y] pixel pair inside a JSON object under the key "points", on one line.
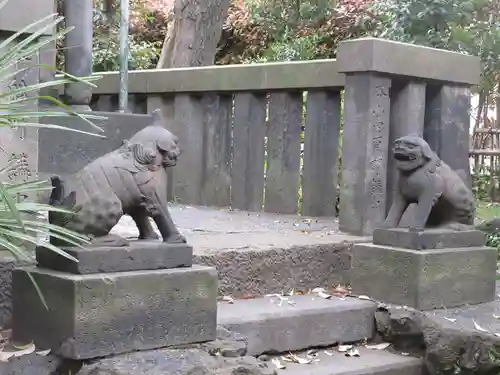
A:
{"points": [[441, 194], [131, 180]]}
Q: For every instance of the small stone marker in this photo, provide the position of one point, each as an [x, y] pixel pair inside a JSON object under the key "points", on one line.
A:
{"points": [[427, 269]]}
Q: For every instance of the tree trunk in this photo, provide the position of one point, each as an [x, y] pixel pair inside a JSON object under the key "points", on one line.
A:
{"points": [[193, 33]]}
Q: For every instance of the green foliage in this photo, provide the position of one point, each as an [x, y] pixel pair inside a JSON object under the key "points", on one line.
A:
{"points": [[106, 54]]}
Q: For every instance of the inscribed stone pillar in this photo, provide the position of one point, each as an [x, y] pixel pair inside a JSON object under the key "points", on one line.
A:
{"points": [[407, 117], [78, 51], [364, 152], [447, 122]]}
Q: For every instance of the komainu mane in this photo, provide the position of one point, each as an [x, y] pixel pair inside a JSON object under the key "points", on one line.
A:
{"points": [[131, 180], [440, 193]]}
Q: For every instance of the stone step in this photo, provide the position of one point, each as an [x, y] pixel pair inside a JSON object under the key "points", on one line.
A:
{"points": [[370, 362], [301, 322]]}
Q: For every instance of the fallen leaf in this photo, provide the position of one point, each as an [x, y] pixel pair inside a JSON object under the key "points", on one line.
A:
{"points": [[496, 316], [366, 298], [354, 352], [5, 355], [297, 359], [381, 346], [344, 348], [318, 290], [23, 347], [291, 302], [478, 327], [278, 364], [497, 334], [43, 353], [312, 353], [228, 299], [453, 320], [327, 352], [405, 354], [324, 295]]}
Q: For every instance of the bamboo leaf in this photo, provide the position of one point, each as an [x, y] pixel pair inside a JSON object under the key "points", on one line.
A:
{"points": [[37, 288]]}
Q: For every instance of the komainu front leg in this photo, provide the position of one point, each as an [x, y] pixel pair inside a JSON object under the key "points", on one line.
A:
{"points": [[399, 206], [146, 231], [424, 207], [163, 220]]}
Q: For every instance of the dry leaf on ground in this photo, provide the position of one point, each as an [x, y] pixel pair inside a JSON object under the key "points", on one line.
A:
{"points": [[453, 320], [228, 299], [16, 351], [278, 364], [344, 348], [381, 346], [354, 352], [478, 327]]}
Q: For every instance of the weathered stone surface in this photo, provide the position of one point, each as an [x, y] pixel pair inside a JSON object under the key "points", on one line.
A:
{"points": [[447, 339], [7, 264], [424, 279], [309, 322], [101, 314], [227, 344], [139, 255], [428, 239], [364, 153], [32, 364], [177, 362]]}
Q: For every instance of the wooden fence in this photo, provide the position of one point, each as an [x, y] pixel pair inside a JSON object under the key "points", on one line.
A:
{"points": [[276, 136]]}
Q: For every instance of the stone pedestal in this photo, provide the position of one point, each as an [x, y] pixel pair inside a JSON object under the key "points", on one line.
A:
{"points": [[426, 270], [98, 314]]}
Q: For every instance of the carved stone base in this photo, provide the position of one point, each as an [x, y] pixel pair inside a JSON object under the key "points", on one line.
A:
{"points": [[436, 277], [139, 255], [103, 314]]}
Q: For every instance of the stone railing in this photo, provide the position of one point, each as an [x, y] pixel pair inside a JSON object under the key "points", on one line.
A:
{"points": [[267, 136]]}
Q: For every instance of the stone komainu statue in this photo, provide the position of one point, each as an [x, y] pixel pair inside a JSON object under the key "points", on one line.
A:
{"points": [[441, 194], [131, 180]]}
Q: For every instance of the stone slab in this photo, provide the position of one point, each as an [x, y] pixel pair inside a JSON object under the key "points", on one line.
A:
{"points": [[104, 314], [424, 279], [372, 362], [229, 78], [140, 255], [370, 55], [428, 238], [310, 321]]}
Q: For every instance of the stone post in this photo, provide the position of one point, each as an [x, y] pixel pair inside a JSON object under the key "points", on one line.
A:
{"points": [[407, 116], [78, 52], [364, 152], [447, 122]]}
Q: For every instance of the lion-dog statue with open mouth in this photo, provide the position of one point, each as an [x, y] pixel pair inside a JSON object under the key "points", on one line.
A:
{"points": [[441, 194]]}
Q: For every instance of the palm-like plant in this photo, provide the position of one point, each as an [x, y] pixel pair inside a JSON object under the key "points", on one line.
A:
{"points": [[20, 222]]}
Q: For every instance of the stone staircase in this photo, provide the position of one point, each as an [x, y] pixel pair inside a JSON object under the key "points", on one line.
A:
{"points": [[275, 324]]}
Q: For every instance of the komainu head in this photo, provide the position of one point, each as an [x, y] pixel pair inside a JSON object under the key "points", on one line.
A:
{"points": [[156, 136], [411, 152]]}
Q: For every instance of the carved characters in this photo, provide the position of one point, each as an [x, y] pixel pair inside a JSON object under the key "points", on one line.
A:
{"points": [[440, 193], [131, 180]]}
